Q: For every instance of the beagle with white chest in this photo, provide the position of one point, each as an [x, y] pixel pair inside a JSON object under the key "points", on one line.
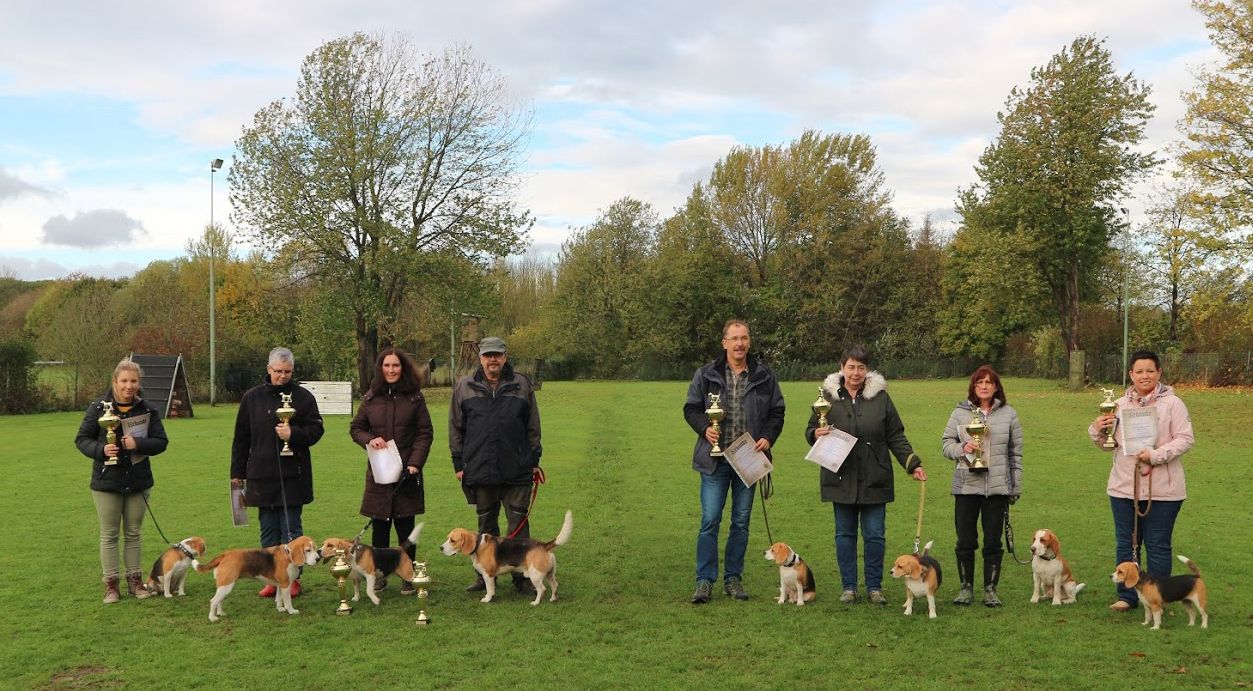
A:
{"points": [[278, 565], [922, 578], [492, 555], [1156, 592], [169, 571], [372, 563], [1050, 573], [796, 581]]}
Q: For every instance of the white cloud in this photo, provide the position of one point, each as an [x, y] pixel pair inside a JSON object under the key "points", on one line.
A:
{"points": [[96, 228]]}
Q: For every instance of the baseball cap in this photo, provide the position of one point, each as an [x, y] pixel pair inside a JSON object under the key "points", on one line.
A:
{"points": [[492, 344]]}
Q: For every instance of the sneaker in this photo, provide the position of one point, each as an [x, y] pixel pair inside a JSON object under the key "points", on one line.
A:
{"points": [[380, 584], [524, 586], [406, 588], [1122, 606], [876, 597], [703, 591], [989, 596], [965, 595], [735, 589], [111, 592], [268, 591], [295, 588], [848, 597], [477, 586]]}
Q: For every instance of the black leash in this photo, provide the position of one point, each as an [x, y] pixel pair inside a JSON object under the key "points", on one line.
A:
{"points": [[153, 516], [391, 503], [765, 487], [1009, 538]]}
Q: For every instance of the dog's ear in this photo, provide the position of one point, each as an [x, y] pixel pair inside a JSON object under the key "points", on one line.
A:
{"points": [[915, 568], [1053, 543]]}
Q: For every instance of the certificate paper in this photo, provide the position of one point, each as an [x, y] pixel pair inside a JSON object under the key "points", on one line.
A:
{"points": [[385, 463], [749, 463], [830, 451], [239, 508], [1139, 429], [137, 427]]}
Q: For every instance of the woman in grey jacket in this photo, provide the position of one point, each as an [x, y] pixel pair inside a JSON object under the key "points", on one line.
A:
{"points": [[983, 496]]}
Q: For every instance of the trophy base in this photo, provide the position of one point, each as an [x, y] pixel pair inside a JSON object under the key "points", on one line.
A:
{"points": [[423, 620], [1109, 446], [110, 461], [717, 454], [286, 453], [344, 608]]}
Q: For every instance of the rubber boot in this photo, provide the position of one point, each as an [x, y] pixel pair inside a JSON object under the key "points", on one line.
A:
{"points": [[991, 576], [965, 576]]}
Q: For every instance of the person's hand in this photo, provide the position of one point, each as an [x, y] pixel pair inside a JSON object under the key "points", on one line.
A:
{"points": [[1105, 421], [460, 474], [762, 445], [1145, 456], [283, 430], [378, 443], [969, 447], [919, 474], [110, 450], [237, 482], [822, 432], [129, 442], [710, 436], [412, 470], [1013, 498]]}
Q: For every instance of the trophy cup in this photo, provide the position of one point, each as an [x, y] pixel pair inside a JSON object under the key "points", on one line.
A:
{"points": [[341, 570], [821, 406], [110, 421], [285, 413], [715, 413], [976, 428], [421, 580], [1107, 407]]}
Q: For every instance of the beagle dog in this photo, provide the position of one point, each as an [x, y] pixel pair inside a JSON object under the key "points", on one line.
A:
{"points": [[1050, 573], [372, 563], [1156, 592], [278, 565], [169, 571], [922, 577], [492, 556], [796, 581]]}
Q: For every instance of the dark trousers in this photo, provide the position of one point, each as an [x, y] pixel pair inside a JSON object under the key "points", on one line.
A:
{"points": [[1155, 536], [279, 526], [487, 502], [969, 511], [382, 533]]}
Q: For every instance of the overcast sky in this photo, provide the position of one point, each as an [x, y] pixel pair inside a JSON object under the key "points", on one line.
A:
{"points": [[110, 112]]}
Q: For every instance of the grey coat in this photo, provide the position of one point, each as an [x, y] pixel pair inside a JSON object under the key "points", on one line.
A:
{"points": [[1003, 442]]}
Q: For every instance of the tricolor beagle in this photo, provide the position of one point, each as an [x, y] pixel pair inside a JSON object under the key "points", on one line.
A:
{"points": [[1050, 573], [492, 555], [922, 577], [278, 565], [372, 563], [796, 581], [1156, 592], [169, 571]]}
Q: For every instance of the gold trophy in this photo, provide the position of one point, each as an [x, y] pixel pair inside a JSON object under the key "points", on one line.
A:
{"points": [[976, 428], [1107, 407], [821, 406], [341, 570], [110, 421], [715, 413], [285, 413], [421, 580]]}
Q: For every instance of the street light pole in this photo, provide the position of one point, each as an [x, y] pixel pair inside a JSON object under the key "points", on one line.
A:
{"points": [[211, 236], [1126, 272]]}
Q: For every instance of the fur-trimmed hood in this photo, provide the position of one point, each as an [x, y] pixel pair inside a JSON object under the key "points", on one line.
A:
{"points": [[870, 388]]}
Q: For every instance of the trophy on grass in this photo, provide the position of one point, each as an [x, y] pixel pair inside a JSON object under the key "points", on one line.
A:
{"points": [[285, 413], [1108, 407], [110, 421], [421, 580], [821, 407], [341, 570], [976, 428], [715, 413]]}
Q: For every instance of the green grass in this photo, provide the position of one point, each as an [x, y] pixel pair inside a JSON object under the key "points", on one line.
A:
{"points": [[618, 454]]}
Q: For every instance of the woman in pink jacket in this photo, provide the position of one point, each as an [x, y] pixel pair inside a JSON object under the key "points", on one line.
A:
{"points": [[1160, 471]]}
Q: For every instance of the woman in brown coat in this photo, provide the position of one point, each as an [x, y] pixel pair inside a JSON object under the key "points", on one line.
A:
{"points": [[394, 408]]}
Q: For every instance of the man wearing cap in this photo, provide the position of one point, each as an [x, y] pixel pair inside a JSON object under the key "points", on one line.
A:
{"points": [[494, 437]]}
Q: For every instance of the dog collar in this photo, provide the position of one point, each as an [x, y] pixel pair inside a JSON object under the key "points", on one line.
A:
{"points": [[478, 542], [185, 550], [1049, 555], [792, 559]]}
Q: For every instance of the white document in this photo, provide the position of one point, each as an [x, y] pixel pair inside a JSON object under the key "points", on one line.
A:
{"points": [[385, 463], [239, 507], [749, 463], [1139, 429], [136, 427], [830, 451]]}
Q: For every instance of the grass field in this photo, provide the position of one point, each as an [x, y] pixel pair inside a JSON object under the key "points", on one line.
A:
{"points": [[618, 454]]}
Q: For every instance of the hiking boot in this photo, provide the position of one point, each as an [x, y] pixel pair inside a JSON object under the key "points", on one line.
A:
{"points": [[703, 591], [268, 591], [965, 595], [876, 597], [735, 589], [989, 596], [1122, 606], [524, 586], [111, 593], [848, 597], [406, 588], [477, 586], [380, 584], [295, 588], [135, 586]]}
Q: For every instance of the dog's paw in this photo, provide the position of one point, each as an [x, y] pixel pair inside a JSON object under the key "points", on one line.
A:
{"points": [[931, 615], [486, 599], [1035, 599], [800, 603]]}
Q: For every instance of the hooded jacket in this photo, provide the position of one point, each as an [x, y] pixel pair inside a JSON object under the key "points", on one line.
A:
{"points": [[255, 449], [1003, 444], [866, 475], [763, 406], [402, 417], [126, 477], [1174, 439], [494, 435]]}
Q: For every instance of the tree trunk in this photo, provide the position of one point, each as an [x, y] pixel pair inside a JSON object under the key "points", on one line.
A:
{"points": [[367, 351]]}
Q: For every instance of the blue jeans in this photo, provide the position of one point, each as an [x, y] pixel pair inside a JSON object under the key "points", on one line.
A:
{"points": [[1155, 533], [873, 525], [274, 528], [713, 497]]}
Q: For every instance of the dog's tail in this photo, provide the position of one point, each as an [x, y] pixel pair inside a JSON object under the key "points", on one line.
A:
{"points": [[1191, 565], [563, 537], [926, 549], [205, 568], [412, 540]]}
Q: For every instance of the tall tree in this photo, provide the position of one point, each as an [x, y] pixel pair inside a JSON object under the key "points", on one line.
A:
{"points": [[382, 159], [1065, 157]]}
